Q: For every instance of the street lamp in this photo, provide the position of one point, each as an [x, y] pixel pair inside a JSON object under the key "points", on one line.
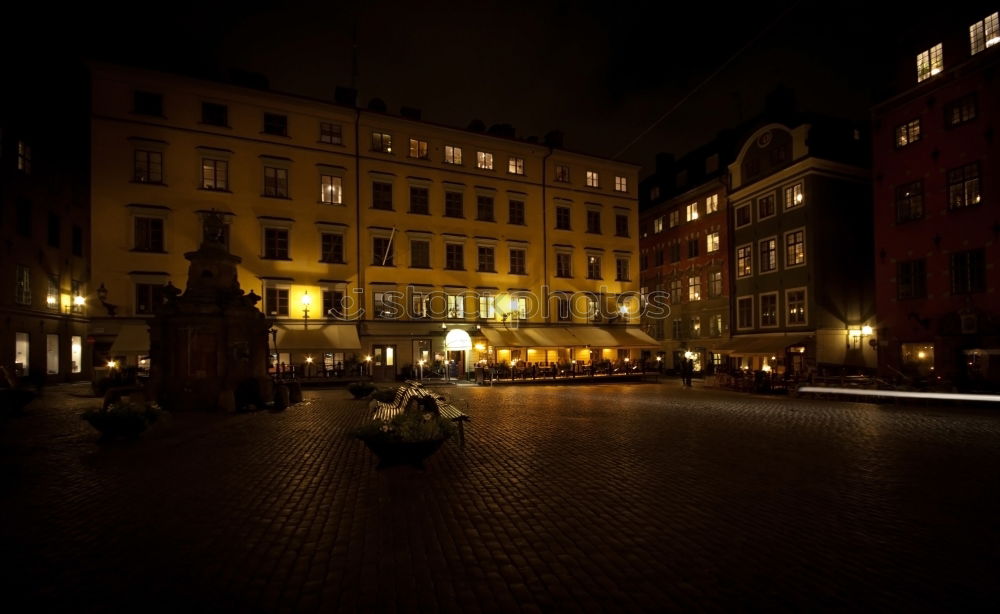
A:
{"points": [[368, 359], [421, 363], [306, 301]]}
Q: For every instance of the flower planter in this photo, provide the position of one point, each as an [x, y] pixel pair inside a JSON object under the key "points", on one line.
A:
{"points": [[121, 421], [413, 453]]}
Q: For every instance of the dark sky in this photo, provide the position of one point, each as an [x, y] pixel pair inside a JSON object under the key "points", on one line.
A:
{"points": [[602, 72]]}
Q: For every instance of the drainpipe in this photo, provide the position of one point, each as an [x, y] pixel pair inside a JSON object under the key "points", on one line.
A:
{"points": [[357, 205], [545, 240]]}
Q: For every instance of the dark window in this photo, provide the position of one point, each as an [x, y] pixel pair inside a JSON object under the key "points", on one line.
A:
{"points": [[768, 255], [677, 329], [486, 263], [909, 202], [562, 173], [55, 228], [214, 114], [147, 103], [276, 124], [643, 262], [453, 204], [276, 243], [765, 207], [222, 237], [24, 157], [516, 212], [693, 248], [484, 208], [621, 269], [148, 234], [275, 182], [968, 271], [963, 186], [330, 133], [333, 303], [742, 215], [594, 222], [148, 167], [562, 309], [621, 225], [562, 218], [382, 195], [22, 285], [675, 252], [332, 247], [715, 284], [563, 265], [419, 200], [594, 267], [77, 241], [517, 261], [911, 279], [961, 111], [147, 298], [420, 254], [744, 312], [453, 257], [382, 251], [276, 301], [658, 257]]}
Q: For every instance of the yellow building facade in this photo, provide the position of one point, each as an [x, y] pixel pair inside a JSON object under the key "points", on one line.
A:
{"points": [[379, 244]]}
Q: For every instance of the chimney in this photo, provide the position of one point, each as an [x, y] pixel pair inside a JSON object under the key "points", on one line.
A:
{"points": [[347, 96], [410, 113]]}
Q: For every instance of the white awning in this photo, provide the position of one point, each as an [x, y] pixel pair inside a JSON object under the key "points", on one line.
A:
{"points": [[319, 337], [131, 339], [555, 336]]}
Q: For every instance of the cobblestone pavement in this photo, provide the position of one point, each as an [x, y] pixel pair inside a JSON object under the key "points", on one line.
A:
{"points": [[631, 497]]}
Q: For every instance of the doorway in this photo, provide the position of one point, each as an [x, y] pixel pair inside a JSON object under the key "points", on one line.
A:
{"points": [[384, 362]]}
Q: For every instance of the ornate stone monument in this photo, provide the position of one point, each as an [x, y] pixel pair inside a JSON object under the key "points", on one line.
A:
{"points": [[208, 346]]}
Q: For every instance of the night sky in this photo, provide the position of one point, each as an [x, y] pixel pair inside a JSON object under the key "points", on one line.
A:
{"points": [[602, 72]]}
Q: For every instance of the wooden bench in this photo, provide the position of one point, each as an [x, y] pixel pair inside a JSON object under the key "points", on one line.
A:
{"points": [[411, 391]]}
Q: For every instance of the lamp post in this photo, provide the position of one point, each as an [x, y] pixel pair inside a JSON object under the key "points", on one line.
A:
{"points": [[306, 301], [368, 359], [421, 364]]}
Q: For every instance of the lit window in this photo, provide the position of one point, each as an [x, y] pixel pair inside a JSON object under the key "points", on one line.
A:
{"points": [[984, 33], [795, 248], [930, 62], [696, 326], [768, 255], [418, 149], [712, 242], [456, 306], [214, 174], [515, 166], [330, 189], [52, 297], [382, 141], [562, 173], [593, 267], [692, 212], [484, 160], [715, 284], [452, 154], [795, 306], [675, 217], [919, 356], [593, 180], [384, 305], [331, 134], [24, 157], [744, 261], [963, 186], [658, 225], [768, 310], [712, 204], [621, 184], [487, 306], [694, 288], [715, 328], [908, 133], [793, 196]]}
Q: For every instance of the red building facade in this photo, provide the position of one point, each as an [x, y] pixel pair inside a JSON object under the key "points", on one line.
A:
{"points": [[937, 215]]}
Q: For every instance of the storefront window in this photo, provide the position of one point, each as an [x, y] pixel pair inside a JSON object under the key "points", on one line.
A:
{"points": [[918, 356]]}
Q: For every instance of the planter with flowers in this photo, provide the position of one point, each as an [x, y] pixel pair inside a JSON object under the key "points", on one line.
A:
{"points": [[408, 438], [123, 420]]}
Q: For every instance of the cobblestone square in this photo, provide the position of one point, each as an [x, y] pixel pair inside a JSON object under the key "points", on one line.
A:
{"points": [[618, 497]]}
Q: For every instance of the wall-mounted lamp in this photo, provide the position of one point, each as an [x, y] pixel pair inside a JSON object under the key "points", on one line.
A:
{"points": [[102, 295], [306, 301]]}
